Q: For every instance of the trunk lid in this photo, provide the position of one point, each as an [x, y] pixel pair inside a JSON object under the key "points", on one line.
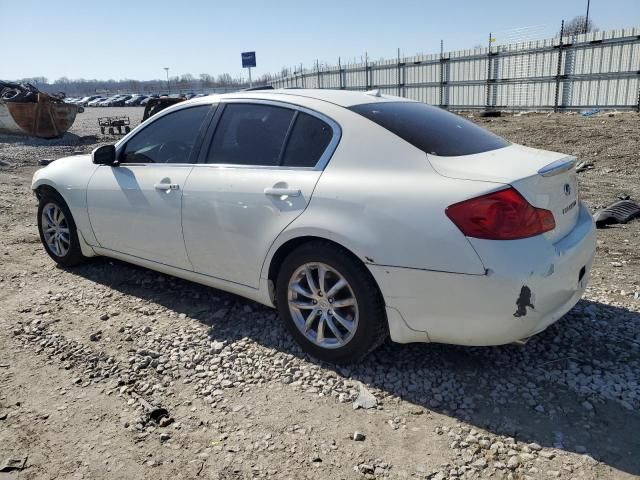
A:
{"points": [[546, 179]]}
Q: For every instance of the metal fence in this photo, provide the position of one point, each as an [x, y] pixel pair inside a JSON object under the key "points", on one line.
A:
{"points": [[598, 69]]}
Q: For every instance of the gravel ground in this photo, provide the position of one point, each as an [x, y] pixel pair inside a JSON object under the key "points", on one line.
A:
{"points": [[111, 371]]}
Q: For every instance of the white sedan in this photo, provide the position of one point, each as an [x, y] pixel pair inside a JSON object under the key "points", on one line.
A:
{"points": [[358, 215]]}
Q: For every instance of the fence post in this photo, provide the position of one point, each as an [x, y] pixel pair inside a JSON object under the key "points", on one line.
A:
{"points": [[366, 71], [559, 70], [443, 82], [318, 74], [398, 73], [488, 74], [340, 75]]}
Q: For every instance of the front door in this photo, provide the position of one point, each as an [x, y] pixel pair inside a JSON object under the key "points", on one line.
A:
{"points": [[135, 208], [260, 170]]}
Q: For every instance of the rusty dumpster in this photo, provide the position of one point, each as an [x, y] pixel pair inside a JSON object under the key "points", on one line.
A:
{"points": [[35, 114]]}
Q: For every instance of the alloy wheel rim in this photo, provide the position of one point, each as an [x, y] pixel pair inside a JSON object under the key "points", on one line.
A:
{"points": [[55, 230], [323, 305]]}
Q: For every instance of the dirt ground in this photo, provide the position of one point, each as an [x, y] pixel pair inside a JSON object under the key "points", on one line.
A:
{"points": [[85, 353]]}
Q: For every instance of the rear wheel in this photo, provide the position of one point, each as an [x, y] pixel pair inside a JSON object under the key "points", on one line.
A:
{"points": [[58, 231], [330, 303]]}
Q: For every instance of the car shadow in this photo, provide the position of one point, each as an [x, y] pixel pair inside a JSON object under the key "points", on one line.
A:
{"points": [[562, 390]]}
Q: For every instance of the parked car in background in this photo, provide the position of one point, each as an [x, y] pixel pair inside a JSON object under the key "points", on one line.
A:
{"points": [[358, 215], [135, 100], [119, 102], [85, 101], [105, 102], [146, 100], [94, 102]]}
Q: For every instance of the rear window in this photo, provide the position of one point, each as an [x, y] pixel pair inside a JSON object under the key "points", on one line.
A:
{"points": [[431, 129]]}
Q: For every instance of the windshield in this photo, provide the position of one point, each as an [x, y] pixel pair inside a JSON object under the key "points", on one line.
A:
{"points": [[431, 129]]}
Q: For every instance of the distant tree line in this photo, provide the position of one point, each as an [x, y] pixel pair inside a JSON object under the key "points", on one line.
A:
{"points": [[182, 83]]}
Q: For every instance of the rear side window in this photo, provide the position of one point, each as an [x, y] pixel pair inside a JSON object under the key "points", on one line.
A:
{"points": [[308, 140], [431, 129], [250, 134]]}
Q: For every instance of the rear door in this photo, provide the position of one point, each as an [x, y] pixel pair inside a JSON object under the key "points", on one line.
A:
{"points": [[135, 207], [257, 175]]}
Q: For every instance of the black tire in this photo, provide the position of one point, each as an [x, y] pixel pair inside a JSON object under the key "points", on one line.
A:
{"points": [[372, 326], [74, 254]]}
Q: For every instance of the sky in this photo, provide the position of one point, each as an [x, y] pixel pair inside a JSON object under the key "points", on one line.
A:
{"points": [[135, 39]]}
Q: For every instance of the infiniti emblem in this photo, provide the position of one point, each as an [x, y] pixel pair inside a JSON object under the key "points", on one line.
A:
{"points": [[567, 189]]}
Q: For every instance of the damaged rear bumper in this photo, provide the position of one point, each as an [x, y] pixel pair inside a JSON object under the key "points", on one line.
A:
{"points": [[529, 284]]}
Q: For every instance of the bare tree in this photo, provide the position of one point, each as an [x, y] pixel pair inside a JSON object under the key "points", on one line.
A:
{"points": [[578, 25], [206, 79]]}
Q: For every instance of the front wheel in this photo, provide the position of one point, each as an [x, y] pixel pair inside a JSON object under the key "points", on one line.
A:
{"points": [[58, 231], [330, 303]]}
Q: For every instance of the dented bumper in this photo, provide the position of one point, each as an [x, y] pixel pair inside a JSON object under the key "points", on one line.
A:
{"points": [[528, 285]]}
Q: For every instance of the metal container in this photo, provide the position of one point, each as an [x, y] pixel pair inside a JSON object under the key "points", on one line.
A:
{"points": [[44, 118]]}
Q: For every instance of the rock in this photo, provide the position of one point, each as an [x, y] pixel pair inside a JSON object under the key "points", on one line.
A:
{"points": [[587, 405], [216, 347], [358, 436], [94, 337], [165, 421], [11, 464], [104, 316], [513, 462], [480, 464], [547, 454], [77, 381], [365, 399], [164, 437]]}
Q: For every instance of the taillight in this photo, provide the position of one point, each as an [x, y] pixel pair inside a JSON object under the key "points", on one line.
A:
{"points": [[501, 215]]}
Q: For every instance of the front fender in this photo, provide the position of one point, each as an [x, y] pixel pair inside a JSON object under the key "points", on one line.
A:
{"points": [[69, 177]]}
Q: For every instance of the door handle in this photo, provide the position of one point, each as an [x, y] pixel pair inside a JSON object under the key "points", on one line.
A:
{"points": [[166, 186], [279, 192]]}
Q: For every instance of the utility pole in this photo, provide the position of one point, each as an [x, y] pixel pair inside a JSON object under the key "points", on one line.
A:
{"points": [[166, 69], [586, 18]]}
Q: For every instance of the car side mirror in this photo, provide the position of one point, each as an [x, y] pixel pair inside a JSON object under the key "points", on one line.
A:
{"points": [[104, 155]]}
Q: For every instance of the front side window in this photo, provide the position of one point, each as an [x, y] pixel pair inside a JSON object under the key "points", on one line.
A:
{"points": [[431, 129], [250, 134], [169, 139]]}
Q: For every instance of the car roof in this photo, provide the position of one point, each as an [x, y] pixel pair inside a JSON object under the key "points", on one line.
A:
{"points": [[343, 98]]}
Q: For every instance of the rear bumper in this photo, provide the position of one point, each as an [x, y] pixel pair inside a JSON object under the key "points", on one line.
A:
{"points": [[529, 284]]}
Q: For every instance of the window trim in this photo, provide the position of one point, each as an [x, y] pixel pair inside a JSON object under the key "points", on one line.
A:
{"points": [[197, 148], [320, 164]]}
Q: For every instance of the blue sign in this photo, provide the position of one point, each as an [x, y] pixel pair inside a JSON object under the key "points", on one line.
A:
{"points": [[248, 59]]}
